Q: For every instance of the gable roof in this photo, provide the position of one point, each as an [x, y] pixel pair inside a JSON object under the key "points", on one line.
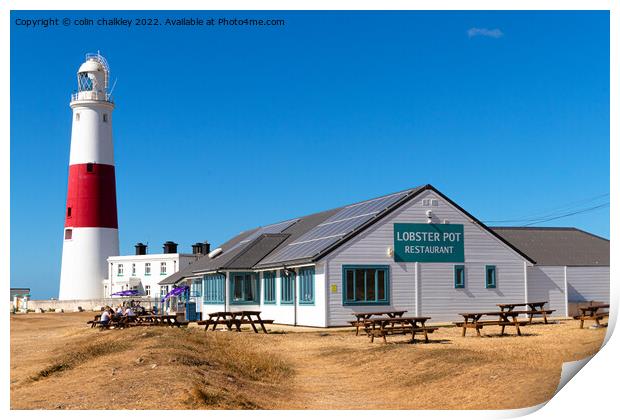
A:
{"points": [[308, 239], [204, 263], [558, 245]]}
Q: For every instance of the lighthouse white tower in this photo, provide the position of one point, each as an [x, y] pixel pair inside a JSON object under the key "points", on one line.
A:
{"points": [[91, 225]]}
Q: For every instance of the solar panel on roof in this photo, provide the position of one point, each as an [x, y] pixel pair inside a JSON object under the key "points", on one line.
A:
{"points": [[301, 249], [334, 228], [370, 206], [275, 228]]}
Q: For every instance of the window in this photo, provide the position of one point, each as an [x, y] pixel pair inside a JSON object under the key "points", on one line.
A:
{"points": [[163, 290], [306, 286], [162, 269], [147, 269], [68, 234], [490, 274], [287, 286], [459, 276], [105, 117], [366, 285], [133, 269], [84, 82], [147, 290], [244, 288], [213, 286], [119, 270], [196, 289], [77, 116], [269, 287], [68, 211], [90, 167]]}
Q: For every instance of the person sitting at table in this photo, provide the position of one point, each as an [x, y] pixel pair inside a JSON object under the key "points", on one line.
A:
{"points": [[129, 312], [105, 317], [119, 311]]}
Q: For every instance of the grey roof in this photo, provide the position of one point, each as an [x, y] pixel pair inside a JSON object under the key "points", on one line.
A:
{"points": [[308, 239], [256, 251], [205, 263], [558, 245]]}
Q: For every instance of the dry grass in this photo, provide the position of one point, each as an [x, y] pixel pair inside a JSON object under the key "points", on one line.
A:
{"points": [[161, 368], [72, 366]]}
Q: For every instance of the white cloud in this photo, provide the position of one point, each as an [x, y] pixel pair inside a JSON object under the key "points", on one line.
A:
{"points": [[491, 33]]}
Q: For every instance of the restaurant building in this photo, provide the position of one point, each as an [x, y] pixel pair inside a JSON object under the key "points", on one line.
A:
{"points": [[414, 250]]}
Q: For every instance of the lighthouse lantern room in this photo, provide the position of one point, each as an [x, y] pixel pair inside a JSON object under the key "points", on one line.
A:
{"points": [[91, 225]]}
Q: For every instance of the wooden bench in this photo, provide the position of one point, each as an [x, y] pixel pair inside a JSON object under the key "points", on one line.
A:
{"points": [[382, 327], [362, 317], [388, 330], [531, 314], [472, 320], [591, 313], [534, 308], [236, 319]]}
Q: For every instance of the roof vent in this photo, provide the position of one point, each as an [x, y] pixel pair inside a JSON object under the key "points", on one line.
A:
{"points": [[215, 252]]}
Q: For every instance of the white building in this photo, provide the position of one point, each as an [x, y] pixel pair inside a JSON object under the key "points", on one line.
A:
{"points": [[143, 271], [415, 250]]}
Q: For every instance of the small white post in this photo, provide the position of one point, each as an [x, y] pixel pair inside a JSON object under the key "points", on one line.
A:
{"points": [[566, 290], [526, 280], [418, 301]]}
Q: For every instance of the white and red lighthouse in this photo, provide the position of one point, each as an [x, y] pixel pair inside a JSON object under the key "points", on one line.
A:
{"points": [[91, 224]]}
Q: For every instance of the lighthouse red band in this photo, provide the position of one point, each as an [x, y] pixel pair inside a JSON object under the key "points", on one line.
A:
{"points": [[91, 196]]}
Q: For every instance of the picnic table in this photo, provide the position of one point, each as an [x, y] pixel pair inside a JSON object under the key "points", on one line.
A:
{"points": [[390, 325], [236, 319], [138, 320], [535, 308], [116, 322], [361, 317], [159, 320], [591, 312], [472, 320]]}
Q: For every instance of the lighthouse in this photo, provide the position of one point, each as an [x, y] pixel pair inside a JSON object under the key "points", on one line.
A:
{"points": [[91, 224]]}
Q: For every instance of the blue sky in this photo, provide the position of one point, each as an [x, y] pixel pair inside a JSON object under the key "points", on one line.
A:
{"points": [[218, 130]]}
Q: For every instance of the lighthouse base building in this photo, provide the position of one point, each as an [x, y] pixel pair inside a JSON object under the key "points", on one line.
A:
{"points": [[414, 250]]}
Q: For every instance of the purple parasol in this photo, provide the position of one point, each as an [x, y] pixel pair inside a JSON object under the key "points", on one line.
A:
{"points": [[126, 293], [177, 291]]}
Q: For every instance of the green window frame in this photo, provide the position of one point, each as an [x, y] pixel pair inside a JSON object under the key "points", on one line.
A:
{"points": [[196, 289], [269, 287], [459, 276], [365, 285], [490, 275], [287, 287], [306, 286], [213, 287], [244, 288]]}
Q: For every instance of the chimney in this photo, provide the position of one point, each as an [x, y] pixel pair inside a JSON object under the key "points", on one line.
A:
{"points": [[170, 247], [197, 249], [201, 248], [140, 249]]}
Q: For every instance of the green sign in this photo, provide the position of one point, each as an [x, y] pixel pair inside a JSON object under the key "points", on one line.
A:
{"points": [[424, 242]]}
